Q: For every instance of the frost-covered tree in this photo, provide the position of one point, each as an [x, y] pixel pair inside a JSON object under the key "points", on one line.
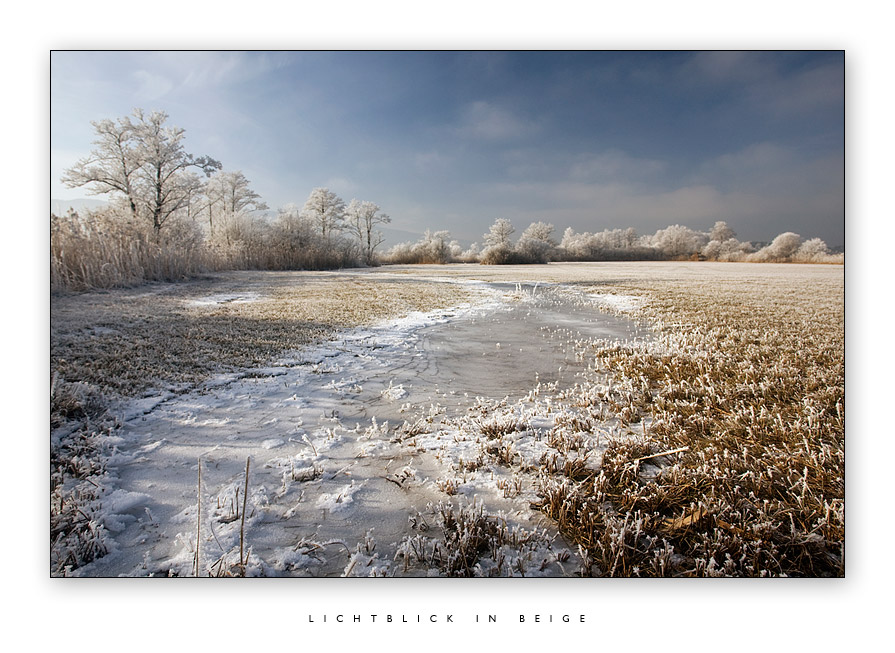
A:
{"points": [[780, 250], [609, 244], [143, 160], [232, 191], [111, 167], [723, 245], [294, 230], [499, 233], [728, 250], [241, 231], [721, 232], [362, 218], [433, 247], [498, 248], [456, 250], [163, 175], [678, 241], [814, 250], [326, 210], [536, 243], [228, 194], [293, 235], [470, 255], [295, 243]]}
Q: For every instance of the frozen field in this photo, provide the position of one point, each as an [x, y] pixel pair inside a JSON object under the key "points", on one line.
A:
{"points": [[421, 442]]}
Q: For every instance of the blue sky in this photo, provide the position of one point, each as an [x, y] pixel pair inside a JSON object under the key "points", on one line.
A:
{"points": [[454, 140]]}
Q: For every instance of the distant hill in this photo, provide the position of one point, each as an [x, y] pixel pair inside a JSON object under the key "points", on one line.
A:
{"points": [[61, 207]]}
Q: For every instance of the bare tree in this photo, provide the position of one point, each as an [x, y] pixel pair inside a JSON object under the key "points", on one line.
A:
{"points": [[112, 165], [165, 186], [326, 209], [143, 160], [229, 194], [362, 217], [232, 190]]}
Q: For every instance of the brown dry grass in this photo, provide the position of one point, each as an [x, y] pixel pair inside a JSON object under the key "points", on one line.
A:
{"points": [[127, 341], [749, 376]]}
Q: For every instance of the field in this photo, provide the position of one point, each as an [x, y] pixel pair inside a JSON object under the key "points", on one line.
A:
{"points": [[595, 419]]}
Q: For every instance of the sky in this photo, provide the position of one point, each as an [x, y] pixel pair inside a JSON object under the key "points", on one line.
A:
{"points": [[590, 140]]}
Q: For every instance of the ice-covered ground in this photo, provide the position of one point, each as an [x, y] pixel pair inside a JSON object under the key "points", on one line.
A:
{"points": [[358, 448]]}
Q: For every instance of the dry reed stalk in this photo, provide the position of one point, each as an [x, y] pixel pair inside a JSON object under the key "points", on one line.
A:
{"points": [[242, 561], [198, 516]]}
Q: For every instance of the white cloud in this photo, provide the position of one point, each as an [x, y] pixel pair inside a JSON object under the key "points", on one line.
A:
{"points": [[754, 156], [211, 69], [727, 66], [200, 71], [617, 203], [152, 86], [541, 164], [766, 85], [614, 164], [769, 170], [431, 161], [486, 121], [807, 91]]}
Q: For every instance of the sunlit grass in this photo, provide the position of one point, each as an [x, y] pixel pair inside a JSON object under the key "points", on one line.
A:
{"points": [[749, 378]]}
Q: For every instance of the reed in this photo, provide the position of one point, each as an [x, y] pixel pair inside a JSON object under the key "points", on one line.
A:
{"points": [[103, 250]]}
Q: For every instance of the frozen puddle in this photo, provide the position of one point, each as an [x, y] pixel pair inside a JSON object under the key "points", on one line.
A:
{"points": [[357, 448], [507, 351]]}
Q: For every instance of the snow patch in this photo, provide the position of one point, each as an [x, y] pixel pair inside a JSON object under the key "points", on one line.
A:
{"points": [[338, 501], [394, 392]]}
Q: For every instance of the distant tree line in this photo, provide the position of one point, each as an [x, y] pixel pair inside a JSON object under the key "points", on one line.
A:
{"points": [[172, 214], [537, 244]]}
